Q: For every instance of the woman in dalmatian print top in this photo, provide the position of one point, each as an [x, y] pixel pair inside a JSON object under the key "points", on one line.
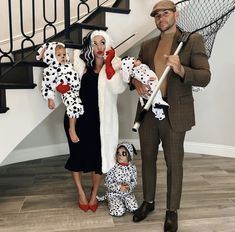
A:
{"points": [[121, 181], [60, 76]]}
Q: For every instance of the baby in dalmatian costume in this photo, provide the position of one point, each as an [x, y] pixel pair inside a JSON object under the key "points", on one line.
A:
{"points": [[134, 68], [121, 181], [60, 76]]}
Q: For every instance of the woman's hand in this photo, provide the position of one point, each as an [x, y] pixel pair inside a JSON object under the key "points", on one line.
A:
{"points": [[110, 55], [108, 65]]}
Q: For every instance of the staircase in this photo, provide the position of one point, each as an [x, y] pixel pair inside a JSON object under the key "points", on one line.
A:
{"points": [[21, 105], [18, 73]]}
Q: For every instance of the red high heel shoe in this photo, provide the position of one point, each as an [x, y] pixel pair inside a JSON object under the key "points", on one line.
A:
{"points": [[83, 207], [93, 207]]}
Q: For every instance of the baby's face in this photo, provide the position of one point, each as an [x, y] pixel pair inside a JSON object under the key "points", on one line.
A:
{"points": [[137, 63], [122, 155], [60, 54]]}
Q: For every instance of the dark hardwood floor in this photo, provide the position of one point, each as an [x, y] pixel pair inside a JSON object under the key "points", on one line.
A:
{"points": [[39, 196]]}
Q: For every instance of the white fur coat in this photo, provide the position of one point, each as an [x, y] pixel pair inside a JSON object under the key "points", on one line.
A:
{"points": [[108, 91]]}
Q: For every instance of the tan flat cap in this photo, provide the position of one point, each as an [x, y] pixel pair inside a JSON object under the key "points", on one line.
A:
{"points": [[163, 5]]}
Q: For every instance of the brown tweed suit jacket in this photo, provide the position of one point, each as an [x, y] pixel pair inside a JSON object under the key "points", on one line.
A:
{"points": [[179, 91]]}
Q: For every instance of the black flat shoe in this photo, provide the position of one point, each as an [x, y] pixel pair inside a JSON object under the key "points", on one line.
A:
{"points": [[141, 213], [171, 221]]}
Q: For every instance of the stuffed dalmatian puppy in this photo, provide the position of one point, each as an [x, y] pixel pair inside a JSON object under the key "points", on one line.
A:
{"points": [[134, 68], [60, 76], [121, 181]]}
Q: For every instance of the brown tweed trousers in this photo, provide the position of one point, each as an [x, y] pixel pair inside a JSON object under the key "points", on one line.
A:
{"points": [[180, 117]]}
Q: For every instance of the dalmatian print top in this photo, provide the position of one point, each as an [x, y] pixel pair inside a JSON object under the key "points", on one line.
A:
{"points": [[146, 76], [121, 174], [54, 75], [57, 73]]}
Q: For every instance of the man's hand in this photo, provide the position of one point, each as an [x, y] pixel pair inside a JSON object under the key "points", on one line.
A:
{"points": [[142, 89], [174, 62]]}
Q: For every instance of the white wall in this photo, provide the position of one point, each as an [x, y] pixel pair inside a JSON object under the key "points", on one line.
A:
{"points": [[31, 146], [27, 111], [215, 110], [216, 115], [39, 20], [214, 130], [137, 22]]}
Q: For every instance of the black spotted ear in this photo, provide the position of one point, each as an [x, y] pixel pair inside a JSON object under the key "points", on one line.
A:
{"points": [[125, 57], [134, 150], [41, 51]]}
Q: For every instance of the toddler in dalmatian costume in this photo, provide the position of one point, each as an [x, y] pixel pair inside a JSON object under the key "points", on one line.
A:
{"points": [[60, 76], [131, 67], [121, 181]]}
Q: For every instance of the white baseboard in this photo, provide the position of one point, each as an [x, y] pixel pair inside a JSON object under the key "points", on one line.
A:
{"points": [[62, 149], [210, 149], [36, 153], [200, 148]]}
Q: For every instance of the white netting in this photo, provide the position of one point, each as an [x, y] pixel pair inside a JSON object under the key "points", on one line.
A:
{"points": [[205, 17]]}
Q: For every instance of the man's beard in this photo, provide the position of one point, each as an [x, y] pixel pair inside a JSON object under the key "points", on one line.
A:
{"points": [[169, 26]]}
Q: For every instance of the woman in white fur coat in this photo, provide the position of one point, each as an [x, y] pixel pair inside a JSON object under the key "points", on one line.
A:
{"points": [[97, 128]]}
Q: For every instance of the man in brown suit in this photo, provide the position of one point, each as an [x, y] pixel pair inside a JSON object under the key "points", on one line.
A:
{"points": [[189, 68]]}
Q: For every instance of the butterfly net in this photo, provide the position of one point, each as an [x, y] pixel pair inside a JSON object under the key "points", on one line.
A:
{"points": [[206, 17]]}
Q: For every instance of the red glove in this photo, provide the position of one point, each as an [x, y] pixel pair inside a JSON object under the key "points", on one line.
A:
{"points": [[61, 88], [108, 65]]}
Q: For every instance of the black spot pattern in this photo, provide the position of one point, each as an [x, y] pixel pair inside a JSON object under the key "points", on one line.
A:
{"points": [[120, 202], [56, 74]]}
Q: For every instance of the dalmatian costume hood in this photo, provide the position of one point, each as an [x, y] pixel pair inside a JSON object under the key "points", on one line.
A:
{"points": [[130, 148], [60, 74], [47, 53], [144, 74], [120, 201]]}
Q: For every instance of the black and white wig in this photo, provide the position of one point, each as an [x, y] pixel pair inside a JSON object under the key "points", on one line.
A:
{"points": [[87, 54]]}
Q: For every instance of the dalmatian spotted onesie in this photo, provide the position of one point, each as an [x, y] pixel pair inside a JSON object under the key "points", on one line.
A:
{"points": [[60, 74], [119, 201], [145, 75]]}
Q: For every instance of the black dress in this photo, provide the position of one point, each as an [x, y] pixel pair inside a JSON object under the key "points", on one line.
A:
{"points": [[86, 154]]}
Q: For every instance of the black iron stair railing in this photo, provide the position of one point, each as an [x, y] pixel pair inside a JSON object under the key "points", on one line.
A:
{"points": [[17, 72], [3, 107]]}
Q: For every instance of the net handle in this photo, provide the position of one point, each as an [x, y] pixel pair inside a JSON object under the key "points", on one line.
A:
{"points": [[183, 39]]}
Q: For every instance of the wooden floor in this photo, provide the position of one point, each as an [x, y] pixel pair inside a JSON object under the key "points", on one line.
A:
{"points": [[39, 196]]}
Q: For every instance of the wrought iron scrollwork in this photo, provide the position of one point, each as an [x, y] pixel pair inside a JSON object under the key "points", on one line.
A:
{"points": [[7, 54], [27, 38], [49, 24]]}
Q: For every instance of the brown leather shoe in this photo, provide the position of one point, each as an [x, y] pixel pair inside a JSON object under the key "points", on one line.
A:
{"points": [[141, 213], [171, 221]]}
